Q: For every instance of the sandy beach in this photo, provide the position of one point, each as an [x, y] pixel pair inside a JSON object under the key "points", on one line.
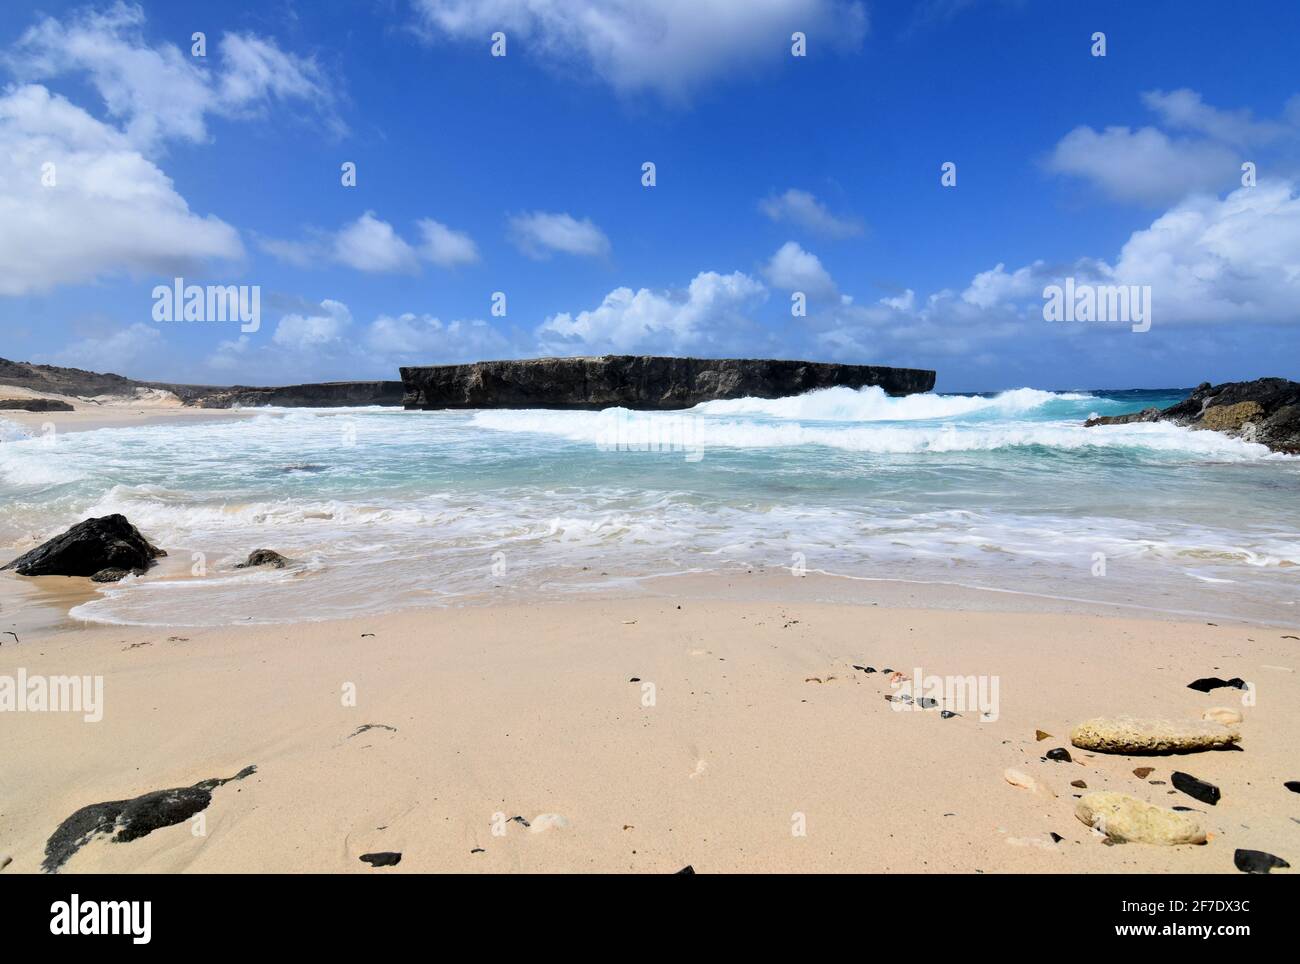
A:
{"points": [[108, 412], [644, 734]]}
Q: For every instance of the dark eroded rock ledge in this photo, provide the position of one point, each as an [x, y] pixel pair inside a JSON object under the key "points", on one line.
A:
{"points": [[34, 405], [639, 381]]}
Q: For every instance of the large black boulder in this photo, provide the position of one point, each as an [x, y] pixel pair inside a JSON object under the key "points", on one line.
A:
{"points": [[109, 542]]}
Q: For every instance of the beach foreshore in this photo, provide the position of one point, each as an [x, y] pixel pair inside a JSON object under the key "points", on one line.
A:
{"points": [[645, 735], [114, 412]]}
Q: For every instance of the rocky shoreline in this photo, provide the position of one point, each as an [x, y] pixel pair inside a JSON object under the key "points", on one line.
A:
{"points": [[1266, 410]]}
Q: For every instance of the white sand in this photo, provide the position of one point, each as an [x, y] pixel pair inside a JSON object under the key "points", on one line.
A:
{"points": [[512, 710], [109, 411]]}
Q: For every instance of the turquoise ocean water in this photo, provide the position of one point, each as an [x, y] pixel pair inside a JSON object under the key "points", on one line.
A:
{"points": [[386, 508]]}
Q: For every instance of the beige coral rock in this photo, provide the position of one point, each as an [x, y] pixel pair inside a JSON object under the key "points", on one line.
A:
{"points": [[1126, 734], [1128, 819], [1222, 714], [1230, 418]]}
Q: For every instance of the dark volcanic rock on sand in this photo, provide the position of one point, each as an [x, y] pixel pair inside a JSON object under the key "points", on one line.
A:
{"points": [[90, 547], [132, 819], [1257, 861], [1266, 410], [646, 382]]}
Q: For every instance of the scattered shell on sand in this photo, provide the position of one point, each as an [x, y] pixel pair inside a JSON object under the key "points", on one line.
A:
{"points": [[1025, 782], [1124, 818], [1126, 734], [546, 821], [1222, 714]]}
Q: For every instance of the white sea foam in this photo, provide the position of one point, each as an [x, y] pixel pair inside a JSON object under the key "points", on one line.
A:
{"points": [[871, 404], [12, 432], [716, 432]]}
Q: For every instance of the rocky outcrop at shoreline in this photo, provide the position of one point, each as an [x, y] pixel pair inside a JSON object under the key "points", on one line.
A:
{"points": [[644, 382], [1266, 410]]}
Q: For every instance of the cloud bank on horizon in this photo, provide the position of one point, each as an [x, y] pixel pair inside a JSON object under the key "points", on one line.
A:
{"points": [[518, 177]]}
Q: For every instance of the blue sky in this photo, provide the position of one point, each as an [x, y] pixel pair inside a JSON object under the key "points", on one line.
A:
{"points": [[522, 174]]}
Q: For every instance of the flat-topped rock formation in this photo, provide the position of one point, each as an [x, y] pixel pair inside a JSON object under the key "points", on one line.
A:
{"points": [[646, 382], [1266, 410], [78, 383]]}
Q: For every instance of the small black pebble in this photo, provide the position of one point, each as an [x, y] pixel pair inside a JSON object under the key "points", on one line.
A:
{"points": [[1056, 837], [1199, 789], [635, 679], [688, 869], [385, 859], [1292, 785], [1256, 861], [1060, 755], [478, 850]]}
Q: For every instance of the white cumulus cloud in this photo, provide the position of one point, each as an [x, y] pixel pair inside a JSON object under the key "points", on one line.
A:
{"points": [[795, 269], [713, 308], [1150, 165], [444, 246], [313, 332], [372, 245], [369, 244], [81, 202], [83, 198], [159, 91], [424, 339]]}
